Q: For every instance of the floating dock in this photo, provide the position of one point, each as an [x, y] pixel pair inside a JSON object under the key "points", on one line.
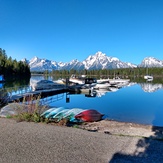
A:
{"points": [[41, 93]]}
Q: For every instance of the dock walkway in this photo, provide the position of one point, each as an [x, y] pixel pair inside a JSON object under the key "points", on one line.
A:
{"points": [[41, 93]]}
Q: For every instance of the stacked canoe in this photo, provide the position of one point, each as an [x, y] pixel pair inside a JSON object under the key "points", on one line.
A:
{"points": [[72, 115]]}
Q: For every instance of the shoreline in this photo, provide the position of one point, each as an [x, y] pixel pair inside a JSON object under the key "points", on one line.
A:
{"points": [[111, 127]]}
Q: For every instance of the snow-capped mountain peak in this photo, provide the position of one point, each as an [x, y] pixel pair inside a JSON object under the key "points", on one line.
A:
{"points": [[100, 54], [97, 61], [151, 62]]}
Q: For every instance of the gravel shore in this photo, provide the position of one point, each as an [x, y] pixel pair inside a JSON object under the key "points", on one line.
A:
{"points": [[106, 141]]}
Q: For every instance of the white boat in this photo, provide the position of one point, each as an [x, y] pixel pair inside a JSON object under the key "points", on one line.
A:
{"points": [[102, 85], [100, 81], [148, 77], [118, 81], [82, 80], [77, 79], [46, 84]]}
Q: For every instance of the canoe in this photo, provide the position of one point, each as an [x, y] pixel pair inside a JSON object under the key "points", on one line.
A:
{"points": [[72, 112], [47, 112], [52, 112], [89, 116], [70, 115], [60, 115]]}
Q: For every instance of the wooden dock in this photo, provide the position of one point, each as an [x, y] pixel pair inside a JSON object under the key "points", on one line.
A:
{"points": [[35, 94], [27, 94]]}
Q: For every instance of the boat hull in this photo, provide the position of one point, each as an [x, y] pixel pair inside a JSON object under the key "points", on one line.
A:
{"points": [[89, 116]]}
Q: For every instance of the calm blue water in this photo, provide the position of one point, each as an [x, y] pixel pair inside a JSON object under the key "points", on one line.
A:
{"points": [[129, 104], [138, 103]]}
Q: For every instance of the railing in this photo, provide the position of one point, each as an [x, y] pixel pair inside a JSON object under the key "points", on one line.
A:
{"points": [[16, 90], [6, 95], [51, 99]]}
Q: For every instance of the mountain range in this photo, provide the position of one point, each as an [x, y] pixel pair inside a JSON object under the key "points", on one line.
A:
{"points": [[97, 61]]}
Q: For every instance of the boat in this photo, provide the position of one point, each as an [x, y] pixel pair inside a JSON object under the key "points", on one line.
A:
{"points": [[89, 116], [102, 85], [72, 115], [118, 80], [51, 112], [83, 80], [101, 81], [148, 77], [68, 114], [46, 84], [77, 79], [58, 116]]}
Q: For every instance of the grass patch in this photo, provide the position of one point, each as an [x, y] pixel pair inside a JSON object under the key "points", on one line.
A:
{"points": [[30, 110]]}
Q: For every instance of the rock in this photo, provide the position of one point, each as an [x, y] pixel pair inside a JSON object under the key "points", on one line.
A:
{"points": [[13, 109]]}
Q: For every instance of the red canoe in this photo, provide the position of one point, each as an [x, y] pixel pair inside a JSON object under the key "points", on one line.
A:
{"points": [[89, 116]]}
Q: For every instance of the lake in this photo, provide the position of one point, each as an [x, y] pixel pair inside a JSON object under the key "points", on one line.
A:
{"points": [[140, 103]]}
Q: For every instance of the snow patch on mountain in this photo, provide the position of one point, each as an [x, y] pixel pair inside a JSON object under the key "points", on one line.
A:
{"points": [[97, 61], [37, 64], [151, 62]]}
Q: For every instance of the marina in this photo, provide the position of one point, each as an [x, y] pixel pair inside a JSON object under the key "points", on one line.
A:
{"points": [[131, 102]]}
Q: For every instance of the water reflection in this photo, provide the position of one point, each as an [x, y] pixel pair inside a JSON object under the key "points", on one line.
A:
{"points": [[150, 87], [135, 102]]}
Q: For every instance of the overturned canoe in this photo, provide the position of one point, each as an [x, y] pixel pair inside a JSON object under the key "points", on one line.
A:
{"points": [[51, 112], [60, 115], [72, 112], [72, 115], [89, 116]]}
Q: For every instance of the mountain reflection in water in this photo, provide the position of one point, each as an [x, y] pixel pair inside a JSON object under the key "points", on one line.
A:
{"points": [[135, 102], [149, 87]]}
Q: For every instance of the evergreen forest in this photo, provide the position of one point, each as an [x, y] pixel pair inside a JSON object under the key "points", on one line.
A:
{"points": [[13, 69], [122, 73]]}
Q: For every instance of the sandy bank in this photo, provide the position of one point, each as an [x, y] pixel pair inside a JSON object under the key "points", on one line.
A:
{"points": [[124, 128]]}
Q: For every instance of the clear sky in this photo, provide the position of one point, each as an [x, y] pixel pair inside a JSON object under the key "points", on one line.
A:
{"points": [[63, 30]]}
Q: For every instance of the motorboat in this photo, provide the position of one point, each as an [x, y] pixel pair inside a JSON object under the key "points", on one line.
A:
{"points": [[118, 81], [77, 79], [101, 81], [83, 80], [102, 85], [148, 77], [46, 84]]}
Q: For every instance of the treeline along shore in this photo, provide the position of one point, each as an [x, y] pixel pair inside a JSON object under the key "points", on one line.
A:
{"points": [[11, 68], [134, 74], [124, 72]]}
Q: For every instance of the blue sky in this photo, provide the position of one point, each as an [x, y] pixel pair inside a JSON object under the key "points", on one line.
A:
{"points": [[63, 30]]}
